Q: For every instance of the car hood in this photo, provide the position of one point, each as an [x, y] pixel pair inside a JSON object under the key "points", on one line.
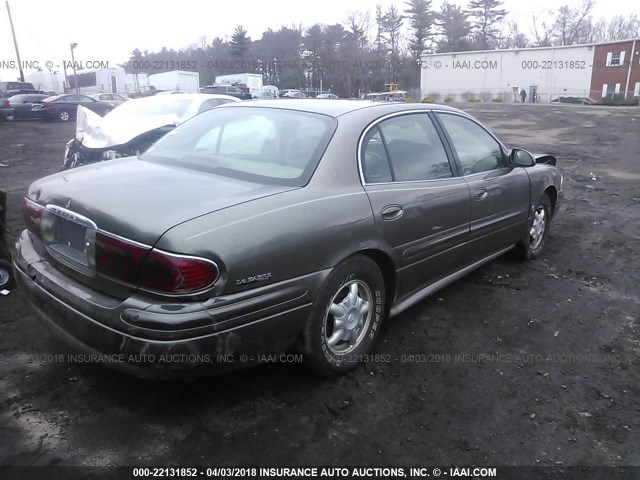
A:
{"points": [[141, 200], [94, 131]]}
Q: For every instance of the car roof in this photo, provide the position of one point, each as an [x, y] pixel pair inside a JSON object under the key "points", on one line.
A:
{"points": [[339, 107]]}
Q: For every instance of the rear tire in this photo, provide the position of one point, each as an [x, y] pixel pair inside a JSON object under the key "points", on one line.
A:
{"points": [[10, 118], [63, 116], [345, 319], [531, 244]]}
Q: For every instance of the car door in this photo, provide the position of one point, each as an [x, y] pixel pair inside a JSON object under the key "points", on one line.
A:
{"points": [[420, 207], [500, 194]]}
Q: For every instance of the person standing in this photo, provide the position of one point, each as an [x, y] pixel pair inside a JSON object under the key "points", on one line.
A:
{"points": [[523, 95]]}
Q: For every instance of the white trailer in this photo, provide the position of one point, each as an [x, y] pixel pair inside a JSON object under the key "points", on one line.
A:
{"points": [[111, 80], [177, 80], [136, 83], [253, 81]]}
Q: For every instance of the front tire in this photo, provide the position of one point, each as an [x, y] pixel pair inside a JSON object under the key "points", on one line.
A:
{"points": [[345, 319], [6, 275], [531, 244]]}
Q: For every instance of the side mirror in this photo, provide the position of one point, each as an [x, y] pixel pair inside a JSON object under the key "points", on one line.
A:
{"points": [[521, 158]]}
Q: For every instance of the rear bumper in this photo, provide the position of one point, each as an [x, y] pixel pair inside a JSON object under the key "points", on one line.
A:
{"points": [[162, 341], [6, 112]]}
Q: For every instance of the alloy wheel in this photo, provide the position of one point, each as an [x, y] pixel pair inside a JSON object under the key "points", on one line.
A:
{"points": [[348, 317]]}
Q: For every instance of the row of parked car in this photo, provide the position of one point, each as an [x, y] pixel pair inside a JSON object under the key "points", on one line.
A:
{"points": [[57, 107]]}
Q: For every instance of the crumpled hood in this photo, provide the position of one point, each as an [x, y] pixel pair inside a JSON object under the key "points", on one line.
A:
{"points": [[94, 131]]}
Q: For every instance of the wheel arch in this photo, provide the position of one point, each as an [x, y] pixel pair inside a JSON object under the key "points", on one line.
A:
{"points": [[387, 268], [553, 197]]}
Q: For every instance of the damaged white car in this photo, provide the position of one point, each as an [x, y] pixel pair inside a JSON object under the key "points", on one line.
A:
{"points": [[133, 127]]}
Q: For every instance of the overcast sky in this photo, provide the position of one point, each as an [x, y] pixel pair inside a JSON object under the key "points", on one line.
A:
{"points": [[109, 31]]}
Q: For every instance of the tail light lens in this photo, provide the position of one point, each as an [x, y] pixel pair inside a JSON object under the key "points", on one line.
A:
{"points": [[168, 273], [32, 214], [47, 105], [119, 258], [150, 268], [6, 103]]}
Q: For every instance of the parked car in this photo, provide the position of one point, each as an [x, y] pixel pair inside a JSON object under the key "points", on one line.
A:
{"points": [[262, 226], [9, 89], [65, 107], [293, 94], [7, 112], [231, 90], [133, 127], [23, 104], [264, 95], [113, 99], [328, 95]]}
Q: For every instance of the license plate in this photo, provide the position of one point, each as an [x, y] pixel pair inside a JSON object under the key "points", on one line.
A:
{"points": [[68, 240]]}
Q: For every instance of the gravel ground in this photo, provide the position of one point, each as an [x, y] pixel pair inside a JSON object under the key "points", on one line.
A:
{"points": [[516, 364]]}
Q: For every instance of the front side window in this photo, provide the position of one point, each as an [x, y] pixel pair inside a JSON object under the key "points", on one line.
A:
{"points": [[477, 150], [262, 145], [410, 145]]}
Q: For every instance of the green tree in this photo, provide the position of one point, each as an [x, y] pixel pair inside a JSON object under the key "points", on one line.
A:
{"points": [[420, 18], [485, 15], [240, 42], [454, 29], [391, 27]]}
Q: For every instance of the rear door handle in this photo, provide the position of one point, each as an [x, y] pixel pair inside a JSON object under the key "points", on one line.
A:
{"points": [[480, 193], [392, 212]]}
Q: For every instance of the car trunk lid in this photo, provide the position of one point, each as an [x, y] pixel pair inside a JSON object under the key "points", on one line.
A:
{"points": [[129, 198]]}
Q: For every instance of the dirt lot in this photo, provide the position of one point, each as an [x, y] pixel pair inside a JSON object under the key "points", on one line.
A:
{"points": [[520, 364]]}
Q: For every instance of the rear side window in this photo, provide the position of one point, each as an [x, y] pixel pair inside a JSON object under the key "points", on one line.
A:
{"points": [[411, 147]]}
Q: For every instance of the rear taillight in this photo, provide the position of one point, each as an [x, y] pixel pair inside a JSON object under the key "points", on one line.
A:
{"points": [[47, 105], [119, 258], [152, 269], [168, 273], [6, 103], [32, 213]]}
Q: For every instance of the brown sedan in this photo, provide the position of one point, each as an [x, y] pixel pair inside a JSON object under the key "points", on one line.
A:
{"points": [[260, 227]]}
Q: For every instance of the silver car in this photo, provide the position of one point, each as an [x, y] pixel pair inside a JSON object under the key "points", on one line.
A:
{"points": [[133, 127], [113, 99], [260, 227]]}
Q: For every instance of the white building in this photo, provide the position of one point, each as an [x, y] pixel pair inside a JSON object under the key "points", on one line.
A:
{"points": [[594, 71], [46, 81]]}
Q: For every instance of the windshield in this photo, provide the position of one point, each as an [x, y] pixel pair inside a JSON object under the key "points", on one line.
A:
{"points": [[262, 145], [153, 106]]}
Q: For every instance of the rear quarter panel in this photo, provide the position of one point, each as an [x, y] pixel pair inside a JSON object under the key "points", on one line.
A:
{"points": [[542, 177]]}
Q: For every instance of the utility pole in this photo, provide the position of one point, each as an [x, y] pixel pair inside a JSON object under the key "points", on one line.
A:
{"points": [[73, 64], [15, 42]]}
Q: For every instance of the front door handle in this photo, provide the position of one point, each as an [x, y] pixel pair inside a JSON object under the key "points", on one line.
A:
{"points": [[480, 193], [392, 212]]}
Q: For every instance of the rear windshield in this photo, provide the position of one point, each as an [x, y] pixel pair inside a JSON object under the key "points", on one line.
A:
{"points": [[262, 145]]}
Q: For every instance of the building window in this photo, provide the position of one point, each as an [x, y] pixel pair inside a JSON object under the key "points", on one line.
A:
{"points": [[610, 89], [615, 59], [636, 90]]}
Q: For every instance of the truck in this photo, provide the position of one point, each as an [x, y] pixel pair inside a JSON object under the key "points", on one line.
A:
{"points": [[176, 80], [8, 89], [252, 81]]}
